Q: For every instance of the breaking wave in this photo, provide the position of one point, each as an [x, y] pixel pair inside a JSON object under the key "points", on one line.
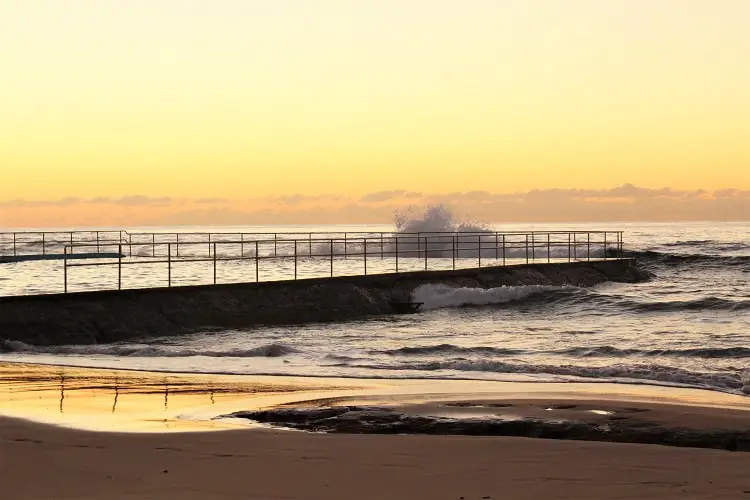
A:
{"points": [[440, 296], [269, 351], [443, 296], [733, 382], [429, 350], [434, 219], [583, 351]]}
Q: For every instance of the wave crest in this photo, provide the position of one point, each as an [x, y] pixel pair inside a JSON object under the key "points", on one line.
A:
{"points": [[736, 383], [441, 296], [146, 351]]}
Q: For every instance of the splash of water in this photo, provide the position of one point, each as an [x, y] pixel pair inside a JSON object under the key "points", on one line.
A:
{"points": [[434, 219]]}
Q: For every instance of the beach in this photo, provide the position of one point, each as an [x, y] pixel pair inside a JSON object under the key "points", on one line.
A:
{"points": [[49, 462], [78, 433], [529, 391]]}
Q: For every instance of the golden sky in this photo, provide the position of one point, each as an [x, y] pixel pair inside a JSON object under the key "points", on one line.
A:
{"points": [[244, 99]]}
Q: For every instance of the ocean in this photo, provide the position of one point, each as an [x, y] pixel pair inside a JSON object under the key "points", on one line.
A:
{"points": [[689, 326]]}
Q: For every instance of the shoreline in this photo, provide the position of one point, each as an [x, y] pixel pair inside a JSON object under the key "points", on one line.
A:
{"points": [[151, 436], [55, 389]]}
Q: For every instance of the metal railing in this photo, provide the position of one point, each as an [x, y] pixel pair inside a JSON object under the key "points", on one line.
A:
{"points": [[50, 243], [283, 256]]}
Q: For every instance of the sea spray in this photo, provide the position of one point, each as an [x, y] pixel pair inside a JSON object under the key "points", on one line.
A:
{"points": [[434, 219]]}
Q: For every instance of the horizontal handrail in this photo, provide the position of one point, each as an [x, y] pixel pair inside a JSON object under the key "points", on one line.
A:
{"points": [[497, 248]]}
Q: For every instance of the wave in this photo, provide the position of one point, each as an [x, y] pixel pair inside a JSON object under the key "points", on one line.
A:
{"points": [[706, 260], [697, 352], [269, 351], [735, 382], [441, 296], [583, 351], [701, 304], [709, 245], [434, 219], [447, 349]]}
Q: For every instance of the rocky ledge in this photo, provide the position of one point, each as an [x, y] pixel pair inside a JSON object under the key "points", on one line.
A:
{"points": [[382, 420]]}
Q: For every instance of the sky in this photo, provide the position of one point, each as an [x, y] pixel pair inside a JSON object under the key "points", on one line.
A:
{"points": [[175, 111]]}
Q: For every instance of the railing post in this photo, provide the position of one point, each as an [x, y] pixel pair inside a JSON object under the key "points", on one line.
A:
{"points": [[575, 247], [549, 249], [119, 266], [257, 261], [479, 250], [331, 256], [214, 262], [178, 244], [309, 240], [588, 246], [65, 269], [396, 253], [275, 251], [169, 264], [527, 248], [454, 252], [295, 259], [503, 250], [242, 245], [605, 245], [425, 253], [569, 253], [209, 244], [364, 251], [533, 246], [346, 246], [153, 244], [44, 251], [14, 244], [97, 243]]}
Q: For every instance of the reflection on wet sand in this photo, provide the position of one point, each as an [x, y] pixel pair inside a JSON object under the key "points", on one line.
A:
{"points": [[132, 401], [125, 401]]}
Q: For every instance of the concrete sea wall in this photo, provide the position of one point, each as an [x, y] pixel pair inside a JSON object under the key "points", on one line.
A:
{"points": [[108, 316]]}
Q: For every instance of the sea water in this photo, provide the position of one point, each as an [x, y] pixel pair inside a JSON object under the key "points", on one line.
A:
{"points": [[688, 326]]}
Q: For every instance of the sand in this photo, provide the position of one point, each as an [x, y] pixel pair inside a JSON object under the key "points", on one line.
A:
{"points": [[227, 460], [40, 461]]}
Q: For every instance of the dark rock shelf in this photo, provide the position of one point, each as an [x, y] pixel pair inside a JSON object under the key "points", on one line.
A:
{"points": [[380, 420]]}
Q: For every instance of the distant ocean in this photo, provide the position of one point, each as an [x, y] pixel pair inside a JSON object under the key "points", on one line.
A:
{"points": [[689, 326]]}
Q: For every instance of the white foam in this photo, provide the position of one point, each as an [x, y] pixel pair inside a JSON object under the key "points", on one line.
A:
{"points": [[440, 296]]}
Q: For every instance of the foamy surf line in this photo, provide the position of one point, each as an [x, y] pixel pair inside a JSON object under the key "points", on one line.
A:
{"points": [[486, 370], [441, 296]]}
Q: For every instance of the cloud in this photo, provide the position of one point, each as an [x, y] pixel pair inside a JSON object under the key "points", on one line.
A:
{"points": [[20, 203], [383, 196], [139, 200], [296, 199], [135, 200], [620, 203], [211, 201]]}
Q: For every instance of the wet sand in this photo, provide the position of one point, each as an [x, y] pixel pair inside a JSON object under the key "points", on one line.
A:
{"points": [[226, 459]]}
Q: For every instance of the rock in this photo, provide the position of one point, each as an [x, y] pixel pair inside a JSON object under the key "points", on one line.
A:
{"points": [[377, 420]]}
